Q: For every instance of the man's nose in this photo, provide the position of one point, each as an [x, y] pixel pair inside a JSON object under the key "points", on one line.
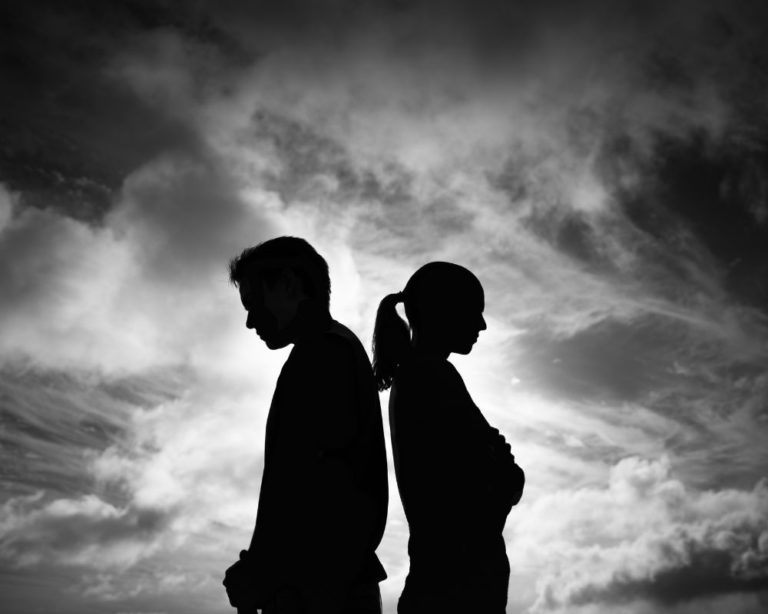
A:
{"points": [[249, 321]]}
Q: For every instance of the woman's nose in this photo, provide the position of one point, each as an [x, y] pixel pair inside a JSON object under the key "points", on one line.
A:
{"points": [[483, 325]]}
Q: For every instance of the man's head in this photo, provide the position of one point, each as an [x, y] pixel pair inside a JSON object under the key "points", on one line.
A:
{"points": [[274, 278]]}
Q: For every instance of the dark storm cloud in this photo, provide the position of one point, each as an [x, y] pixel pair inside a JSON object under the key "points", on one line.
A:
{"points": [[611, 361], [719, 197], [74, 130], [542, 143], [638, 359], [71, 131], [669, 122]]}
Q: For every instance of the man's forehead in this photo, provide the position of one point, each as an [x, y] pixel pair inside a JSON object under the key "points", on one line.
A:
{"points": [[249, 291]]}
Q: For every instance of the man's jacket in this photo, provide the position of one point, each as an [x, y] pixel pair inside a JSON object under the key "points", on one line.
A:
{"points": [[323, 501]]}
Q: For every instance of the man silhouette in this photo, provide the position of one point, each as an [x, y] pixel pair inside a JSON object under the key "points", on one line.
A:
{"points": [[323, 500]]}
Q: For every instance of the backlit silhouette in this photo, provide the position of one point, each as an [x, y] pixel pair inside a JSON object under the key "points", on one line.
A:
{"points": [[455, 473], [323, 500]]}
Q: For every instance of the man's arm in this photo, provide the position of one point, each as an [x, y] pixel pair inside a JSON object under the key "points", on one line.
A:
{"points": [[327, 400], [323, 514]]}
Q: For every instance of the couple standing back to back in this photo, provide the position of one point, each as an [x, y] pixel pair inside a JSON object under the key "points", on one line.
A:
{"points": [[323, 500]]}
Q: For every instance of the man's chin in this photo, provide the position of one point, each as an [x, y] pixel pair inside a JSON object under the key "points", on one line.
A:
{"points": [[275, 344]]}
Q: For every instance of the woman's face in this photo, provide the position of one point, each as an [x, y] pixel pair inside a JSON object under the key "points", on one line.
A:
{"points": [[465, 323], [453, 322]]}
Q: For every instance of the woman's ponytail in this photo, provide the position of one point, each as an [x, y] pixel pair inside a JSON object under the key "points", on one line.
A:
{"points": [[391, 341]]}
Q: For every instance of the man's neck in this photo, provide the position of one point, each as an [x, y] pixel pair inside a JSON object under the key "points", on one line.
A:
{"points": [[311, 317]]}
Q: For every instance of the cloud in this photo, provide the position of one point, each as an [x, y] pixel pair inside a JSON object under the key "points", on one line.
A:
{"points": [[72, 132], [640, 359], [141, 291], [644, 536], [414, 126], [540, 144], [77, 532], [158, 507]]}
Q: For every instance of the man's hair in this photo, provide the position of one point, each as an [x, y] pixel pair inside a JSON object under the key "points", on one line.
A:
{"points": [[267, 261]]}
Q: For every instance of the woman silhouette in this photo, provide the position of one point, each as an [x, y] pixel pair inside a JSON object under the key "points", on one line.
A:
{"points": [[456, 476]]}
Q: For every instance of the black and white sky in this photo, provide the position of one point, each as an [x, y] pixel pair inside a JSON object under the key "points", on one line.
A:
{"points": [[601, 166]]}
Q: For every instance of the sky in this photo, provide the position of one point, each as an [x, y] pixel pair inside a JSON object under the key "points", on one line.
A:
{"points": [[601, 166]]}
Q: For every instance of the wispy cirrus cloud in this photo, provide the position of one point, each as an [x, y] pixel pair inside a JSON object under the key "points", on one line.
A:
{"points": [[599, 167]]}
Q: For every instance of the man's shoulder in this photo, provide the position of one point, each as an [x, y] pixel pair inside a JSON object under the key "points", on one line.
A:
{"points": [[335, 343], [339, 331]]}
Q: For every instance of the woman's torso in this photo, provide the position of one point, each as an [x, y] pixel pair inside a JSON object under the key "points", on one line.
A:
{"points": [[445, 471]]}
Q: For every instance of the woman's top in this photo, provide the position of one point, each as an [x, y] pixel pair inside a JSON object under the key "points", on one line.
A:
{"points": [[456, 475]]}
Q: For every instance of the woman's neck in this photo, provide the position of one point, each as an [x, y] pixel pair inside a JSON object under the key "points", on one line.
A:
{"points": [[422, 347]]}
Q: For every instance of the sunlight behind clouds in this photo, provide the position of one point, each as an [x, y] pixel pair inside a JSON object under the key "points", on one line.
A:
{"points": [[601, 172]]}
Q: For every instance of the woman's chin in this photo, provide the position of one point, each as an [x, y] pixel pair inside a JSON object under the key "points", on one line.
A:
{"points": [[464, 348]]}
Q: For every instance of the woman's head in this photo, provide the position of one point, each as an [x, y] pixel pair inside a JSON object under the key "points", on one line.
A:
{"points": [[444, 304]]}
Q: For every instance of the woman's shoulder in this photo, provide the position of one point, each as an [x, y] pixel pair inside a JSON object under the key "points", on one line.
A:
{"points": [[427, 372]]}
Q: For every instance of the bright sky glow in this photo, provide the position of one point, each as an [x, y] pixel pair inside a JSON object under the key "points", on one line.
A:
{"points": [[602, 172]]}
